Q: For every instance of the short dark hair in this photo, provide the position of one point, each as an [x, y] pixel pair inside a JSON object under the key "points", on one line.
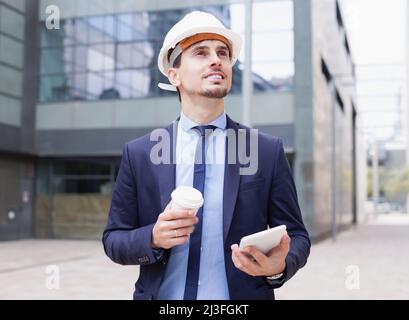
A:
{"points": [[176, 64], [178, 61]]}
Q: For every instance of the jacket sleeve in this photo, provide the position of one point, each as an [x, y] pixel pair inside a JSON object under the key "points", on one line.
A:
{"points": [[285, 210], [124, 240]]}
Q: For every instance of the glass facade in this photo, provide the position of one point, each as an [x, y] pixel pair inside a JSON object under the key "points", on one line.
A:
{"points": [[77, 176], [12, 24], [114, 56]]}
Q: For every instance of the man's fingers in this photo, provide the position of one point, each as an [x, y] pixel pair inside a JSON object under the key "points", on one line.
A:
{"points": [[177, 241], [175, 233], [177, 214], [171, 229], [236, 261], [256, 254], [245, 261], [169, 206], [181, 223], [285, 242], [284, 246]]}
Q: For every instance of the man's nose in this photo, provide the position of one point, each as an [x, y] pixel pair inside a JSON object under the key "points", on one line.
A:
{"points": [[215, 59]]}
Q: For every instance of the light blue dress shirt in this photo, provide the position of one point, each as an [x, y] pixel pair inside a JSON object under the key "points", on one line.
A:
{"points": [[212, 275]]}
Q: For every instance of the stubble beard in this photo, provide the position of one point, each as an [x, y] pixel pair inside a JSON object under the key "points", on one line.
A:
{"points": [[214, 93]]}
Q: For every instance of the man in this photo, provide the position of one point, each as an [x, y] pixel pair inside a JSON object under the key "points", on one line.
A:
{"points": [[188, 256]]}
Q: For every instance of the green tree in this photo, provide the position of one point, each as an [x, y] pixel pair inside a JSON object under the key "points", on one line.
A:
{"points": [[381, 172], [398, 182]]}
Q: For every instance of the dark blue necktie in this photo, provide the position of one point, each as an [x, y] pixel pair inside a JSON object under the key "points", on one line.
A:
{"points": [[193, 266]]}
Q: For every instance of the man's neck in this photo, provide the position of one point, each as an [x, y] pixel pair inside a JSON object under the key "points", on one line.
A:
{"points": [[202, 110]]}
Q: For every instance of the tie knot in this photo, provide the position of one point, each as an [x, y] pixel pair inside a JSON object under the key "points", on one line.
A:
{"points": [[205, 129]]}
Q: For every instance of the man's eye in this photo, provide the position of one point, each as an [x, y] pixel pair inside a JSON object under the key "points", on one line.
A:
{"points": [[200, 53], [223, 53]]}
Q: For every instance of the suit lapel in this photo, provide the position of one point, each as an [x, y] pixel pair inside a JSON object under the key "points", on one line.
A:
{"points": [[231, 181], [167, 172]]}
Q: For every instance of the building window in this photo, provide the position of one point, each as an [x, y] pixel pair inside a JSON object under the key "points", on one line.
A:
{"points": [[77, 176], [338, 15], [339, 101], [114, 56], [325, 71], [346, 45], [73, 196]]}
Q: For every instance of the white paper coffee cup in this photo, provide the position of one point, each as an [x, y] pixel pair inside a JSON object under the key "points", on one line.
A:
{"points": [[185, 197]]}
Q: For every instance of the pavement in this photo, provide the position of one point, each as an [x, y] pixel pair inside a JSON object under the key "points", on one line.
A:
{"points": [[369, 261]]}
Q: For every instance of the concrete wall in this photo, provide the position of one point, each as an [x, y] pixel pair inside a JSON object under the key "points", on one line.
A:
{"points": [[361, 176], [323, 166], [102, 127], [332, 155]]}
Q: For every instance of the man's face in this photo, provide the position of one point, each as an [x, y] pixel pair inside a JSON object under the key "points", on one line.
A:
{"points": [[206, 70]]}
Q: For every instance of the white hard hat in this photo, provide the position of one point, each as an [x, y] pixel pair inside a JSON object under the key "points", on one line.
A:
{"points": [[192, 24]]}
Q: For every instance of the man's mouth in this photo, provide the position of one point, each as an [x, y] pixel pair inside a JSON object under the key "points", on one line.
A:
{"points": [[215, 76]]}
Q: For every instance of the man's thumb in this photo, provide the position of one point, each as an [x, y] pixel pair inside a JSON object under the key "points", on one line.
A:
{"points": [[285, 241]]}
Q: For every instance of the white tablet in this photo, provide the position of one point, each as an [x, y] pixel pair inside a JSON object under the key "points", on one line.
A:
{"points": [[264, 240]]}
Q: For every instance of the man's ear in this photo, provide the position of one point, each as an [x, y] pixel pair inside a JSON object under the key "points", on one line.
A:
{"points": [[173, 77]]}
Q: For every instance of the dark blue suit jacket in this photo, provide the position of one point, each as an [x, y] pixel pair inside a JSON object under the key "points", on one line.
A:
{"points": [[250, 203]]}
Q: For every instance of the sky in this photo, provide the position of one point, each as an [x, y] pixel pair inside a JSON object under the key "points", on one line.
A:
{"points": [[376, 31]]}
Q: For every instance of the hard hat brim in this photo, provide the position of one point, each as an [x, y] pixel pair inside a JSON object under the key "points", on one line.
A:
{"points": [[233, 37]]}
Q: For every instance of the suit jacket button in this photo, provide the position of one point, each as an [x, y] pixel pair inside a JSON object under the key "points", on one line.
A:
{"points": [[151, 297]]}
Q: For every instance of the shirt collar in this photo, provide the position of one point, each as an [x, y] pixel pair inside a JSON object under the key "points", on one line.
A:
{"points": [[187, 124]]}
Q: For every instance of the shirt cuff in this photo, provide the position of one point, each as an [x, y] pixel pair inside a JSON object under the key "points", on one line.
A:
{"points": [[276, 283]]}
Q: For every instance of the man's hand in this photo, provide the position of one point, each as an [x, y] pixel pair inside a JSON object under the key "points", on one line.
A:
{"points": [[173, 227], [255, 263]]}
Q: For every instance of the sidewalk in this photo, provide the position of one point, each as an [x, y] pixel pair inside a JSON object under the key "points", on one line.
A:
{"points": [[84, 270], [378, 251]]}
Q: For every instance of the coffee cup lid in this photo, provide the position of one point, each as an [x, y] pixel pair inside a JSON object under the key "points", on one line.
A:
{"points": [[187, 197]]}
